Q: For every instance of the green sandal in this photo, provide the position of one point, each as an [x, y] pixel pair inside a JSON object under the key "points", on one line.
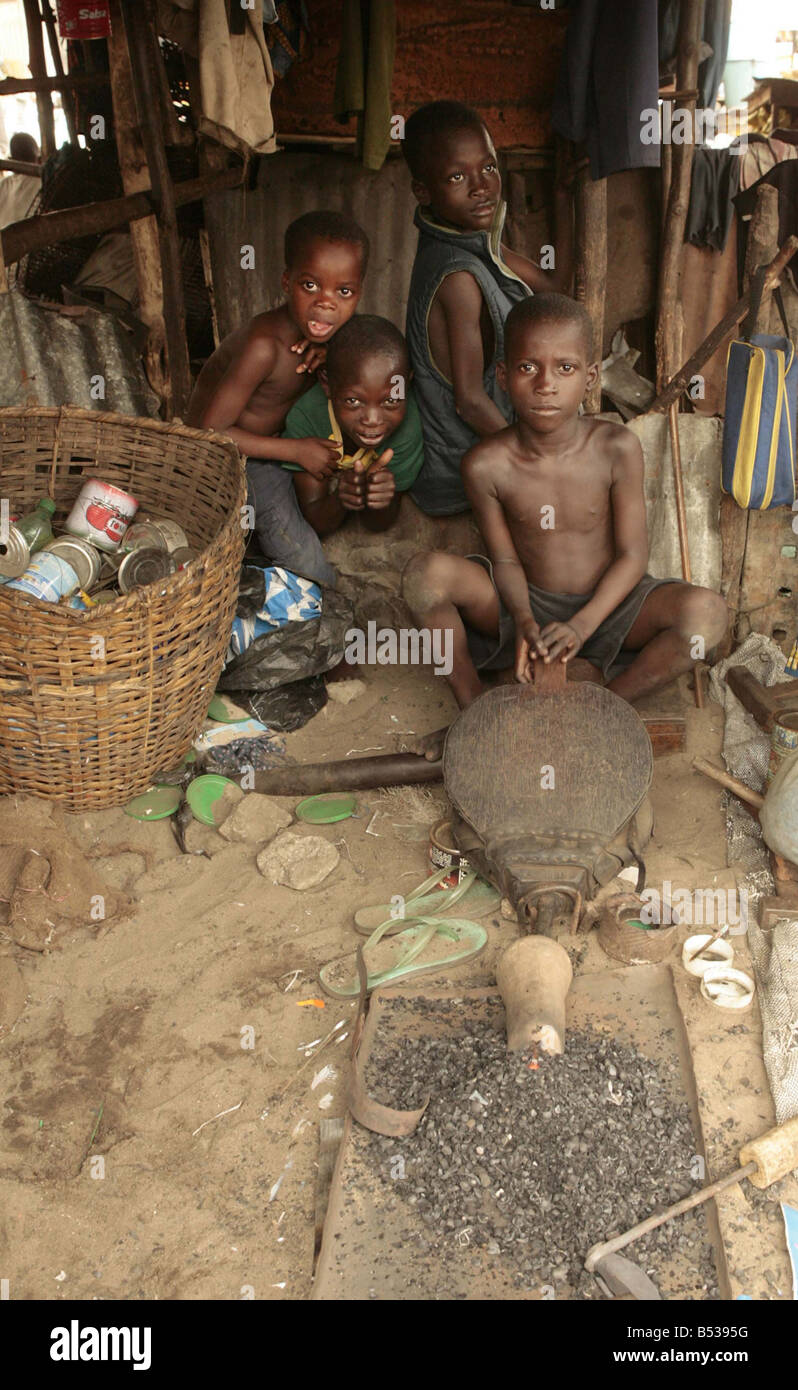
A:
{"points": [[340, 978], [481, 898]]}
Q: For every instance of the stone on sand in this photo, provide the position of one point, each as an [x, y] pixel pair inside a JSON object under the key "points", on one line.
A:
{"points": [[226, 803], [256, 818], [298, 861], [344, 692]]}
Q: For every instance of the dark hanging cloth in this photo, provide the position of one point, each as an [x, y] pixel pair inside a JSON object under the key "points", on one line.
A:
{"points": [[608, 77], [717, 23], [784, 177], [715, 181]]}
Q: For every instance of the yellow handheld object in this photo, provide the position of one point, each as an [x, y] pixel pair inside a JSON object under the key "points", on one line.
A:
{"points": [[364, 456]]}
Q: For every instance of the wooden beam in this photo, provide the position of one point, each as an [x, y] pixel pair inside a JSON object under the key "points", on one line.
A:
{"points": [[38, 67], [50, 228], [681, 380], [143, 231], [12, 86], [66, 104], [20, 166], [142, 42], [689, 37], [590, 255]]}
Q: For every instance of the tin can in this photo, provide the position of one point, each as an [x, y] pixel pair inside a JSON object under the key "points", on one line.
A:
{"points": [[101, 514], [783, 741], [47, 577], [83, 19], [173, 534], [444, 855], [14, 555], [144, 535], [83, 558], [144, 567], [184, 555]]}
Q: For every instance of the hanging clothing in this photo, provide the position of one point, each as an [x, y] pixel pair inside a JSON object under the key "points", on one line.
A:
{"points": [[760, 154], [714, 183], [439, 490], [287, 33], [715, 34], [364, 75], [608, 78], [235, 71]]}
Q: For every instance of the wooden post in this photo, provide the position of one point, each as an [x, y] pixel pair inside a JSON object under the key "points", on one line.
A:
{"points": [[142, 42], [763, 241], [591, 265], [690, 21], [143, 232], [67, 99], [38, 68]]}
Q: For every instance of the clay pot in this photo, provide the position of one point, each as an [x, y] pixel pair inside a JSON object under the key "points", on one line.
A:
{"points": [[534, 976]]}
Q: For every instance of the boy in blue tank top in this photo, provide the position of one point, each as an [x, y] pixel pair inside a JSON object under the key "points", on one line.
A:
{"points": [[463, 285]]}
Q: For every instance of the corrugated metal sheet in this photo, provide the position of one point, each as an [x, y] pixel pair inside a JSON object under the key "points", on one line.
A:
{"points": [[49, 357], [288, 185]]}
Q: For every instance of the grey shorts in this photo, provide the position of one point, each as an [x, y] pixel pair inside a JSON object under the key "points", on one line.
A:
{"points": [[603, 648], [284, 536]]}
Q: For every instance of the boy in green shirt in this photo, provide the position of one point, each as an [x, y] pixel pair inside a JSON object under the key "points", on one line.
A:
{"points": [[368, 408]]}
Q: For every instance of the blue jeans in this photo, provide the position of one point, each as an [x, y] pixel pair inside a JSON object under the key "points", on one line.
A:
{"points": [[284, 536]]}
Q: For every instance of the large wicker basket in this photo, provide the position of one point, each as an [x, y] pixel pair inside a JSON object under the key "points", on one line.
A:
{"points": [[90, 722]]}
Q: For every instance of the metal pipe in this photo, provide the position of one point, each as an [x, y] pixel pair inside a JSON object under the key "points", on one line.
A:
{"points": [[355, 774]]}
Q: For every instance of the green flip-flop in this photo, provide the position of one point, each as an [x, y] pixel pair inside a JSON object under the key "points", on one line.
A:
{"points": [[476, 896], [404, 951]]}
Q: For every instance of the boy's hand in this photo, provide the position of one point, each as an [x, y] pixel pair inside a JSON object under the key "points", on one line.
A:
{"points": [[351, 488], [528, 647], [380, 482], [317, 456], [315, 358], [561, 640]]}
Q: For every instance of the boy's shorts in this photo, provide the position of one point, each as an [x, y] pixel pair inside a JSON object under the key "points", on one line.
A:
{"points": [[284, 536], [603, 647]]}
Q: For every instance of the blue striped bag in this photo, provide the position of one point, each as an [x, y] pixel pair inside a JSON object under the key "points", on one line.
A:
{"points": [[760, 417]]}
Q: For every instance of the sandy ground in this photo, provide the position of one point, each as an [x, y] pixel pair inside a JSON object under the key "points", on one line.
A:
{"points": [[160, 1128]]}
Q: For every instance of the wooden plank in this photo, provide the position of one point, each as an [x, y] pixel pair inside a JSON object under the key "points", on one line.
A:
{"points": [[773, 910], [764, 703], [38, 67], [667, 735], [13, 86], [50, 228], [330, 1135], [67, 104], [590, 255], [144, 57], [680, 381], [681, 164], [144, 231]]}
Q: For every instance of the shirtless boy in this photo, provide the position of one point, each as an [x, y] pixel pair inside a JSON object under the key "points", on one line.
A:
{"points": [[247, 387], [464, 283], [559, 501]]}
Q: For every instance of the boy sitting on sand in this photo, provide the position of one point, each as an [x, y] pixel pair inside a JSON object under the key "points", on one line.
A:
{"points": [[463, 285], [366, 405], [247, 387], [559, 500]]}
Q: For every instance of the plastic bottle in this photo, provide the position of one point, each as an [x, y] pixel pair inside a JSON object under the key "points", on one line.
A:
{"points": [[37, 526]]}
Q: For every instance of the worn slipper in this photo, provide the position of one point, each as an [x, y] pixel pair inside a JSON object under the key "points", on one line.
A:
{"points": [[430, 944], [473, 894]]}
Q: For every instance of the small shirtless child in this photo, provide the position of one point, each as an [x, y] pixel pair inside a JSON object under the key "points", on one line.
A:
{"points": [[559, 501], [366, 404], [247, 387]]}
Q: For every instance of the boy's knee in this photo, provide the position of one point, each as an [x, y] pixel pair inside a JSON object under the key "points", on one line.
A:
{"points": [[704, 614], [424, 580]]}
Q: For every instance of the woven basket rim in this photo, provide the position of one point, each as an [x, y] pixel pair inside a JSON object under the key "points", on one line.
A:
{"points": [[76, 412]]}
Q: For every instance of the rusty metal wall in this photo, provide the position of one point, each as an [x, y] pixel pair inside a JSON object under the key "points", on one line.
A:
{"points": [[288, 185], [499, 57]]}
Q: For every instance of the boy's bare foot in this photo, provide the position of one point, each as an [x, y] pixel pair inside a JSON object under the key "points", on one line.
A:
{"points": [[429, 746]]}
